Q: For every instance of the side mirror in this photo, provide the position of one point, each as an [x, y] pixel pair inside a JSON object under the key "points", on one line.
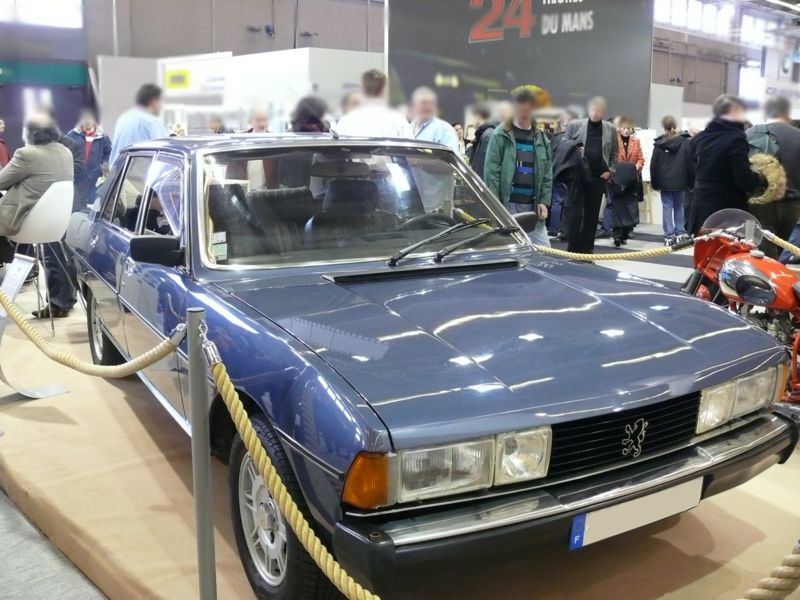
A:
{"points": [[162, 250], [527, 221]]}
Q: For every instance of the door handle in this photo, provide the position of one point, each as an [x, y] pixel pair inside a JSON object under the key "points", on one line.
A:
{"points": [[93, 240]]}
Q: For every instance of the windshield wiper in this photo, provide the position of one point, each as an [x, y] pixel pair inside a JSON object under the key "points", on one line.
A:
{"points": [[401, 254], [473, 240]]}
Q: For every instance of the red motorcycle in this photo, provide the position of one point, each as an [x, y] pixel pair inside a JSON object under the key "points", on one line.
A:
{"points": [[731, 271]]}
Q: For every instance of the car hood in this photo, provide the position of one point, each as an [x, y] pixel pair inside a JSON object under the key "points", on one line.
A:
{"points": [[443, 356]]}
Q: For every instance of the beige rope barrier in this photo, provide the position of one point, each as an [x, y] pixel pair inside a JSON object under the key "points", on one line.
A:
{"points": [[781, 243], [652, 253], [135, 365], [782, 580]]}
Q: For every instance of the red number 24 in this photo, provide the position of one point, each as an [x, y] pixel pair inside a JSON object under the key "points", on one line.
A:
{"points": [[491, 26]]}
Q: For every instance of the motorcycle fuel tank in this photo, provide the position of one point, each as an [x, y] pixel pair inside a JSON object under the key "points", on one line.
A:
{"points": [[755, 279]]}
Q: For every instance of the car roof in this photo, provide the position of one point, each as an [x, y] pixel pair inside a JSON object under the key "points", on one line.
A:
{"points": [[238, 141]]}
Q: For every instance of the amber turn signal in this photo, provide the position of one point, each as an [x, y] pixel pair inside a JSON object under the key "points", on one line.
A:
{"points": [[368, 483]]}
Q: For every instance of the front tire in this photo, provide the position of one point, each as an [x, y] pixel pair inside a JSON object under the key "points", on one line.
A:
{"points": [[103, 350], [274, 560]]}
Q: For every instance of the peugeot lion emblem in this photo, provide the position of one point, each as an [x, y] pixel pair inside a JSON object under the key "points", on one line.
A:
{"points": [[634, 438]]}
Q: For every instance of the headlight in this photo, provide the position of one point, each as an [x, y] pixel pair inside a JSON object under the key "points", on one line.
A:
{"points": [[522, 456], [716, 404], [721, 403], [754, 392], [445, 470]]}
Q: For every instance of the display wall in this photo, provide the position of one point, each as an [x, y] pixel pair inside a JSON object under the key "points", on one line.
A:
{"points": [[480, 49], [41, 65]]}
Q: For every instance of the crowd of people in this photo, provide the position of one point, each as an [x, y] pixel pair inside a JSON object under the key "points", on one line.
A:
{"points": [[560, 174]]}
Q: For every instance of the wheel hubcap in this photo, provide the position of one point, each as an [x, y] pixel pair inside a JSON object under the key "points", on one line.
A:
{"points": [[97, 329], [263, 525]]}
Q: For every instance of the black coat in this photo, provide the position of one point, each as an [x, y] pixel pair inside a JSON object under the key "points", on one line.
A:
{"points": [[624, 188], [480, 144], [671, 167], [571, 169], [723, 177]]}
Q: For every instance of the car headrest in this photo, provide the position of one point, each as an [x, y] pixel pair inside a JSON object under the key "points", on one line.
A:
{"points": [[284, 203], [350, 197]]}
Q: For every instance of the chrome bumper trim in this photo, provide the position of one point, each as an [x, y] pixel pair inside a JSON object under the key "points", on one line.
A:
{"points": [[481, 516]]}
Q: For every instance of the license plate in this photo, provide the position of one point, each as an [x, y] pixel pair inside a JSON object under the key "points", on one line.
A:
{"points": [[591, 527]]}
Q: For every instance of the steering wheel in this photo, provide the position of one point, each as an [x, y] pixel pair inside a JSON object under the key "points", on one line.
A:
{"points": [[428, 221]]}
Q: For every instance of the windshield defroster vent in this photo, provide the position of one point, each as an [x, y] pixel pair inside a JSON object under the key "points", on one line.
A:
{"points": [[419, 271]]}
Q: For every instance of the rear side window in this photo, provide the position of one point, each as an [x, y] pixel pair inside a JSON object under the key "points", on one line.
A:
{"points": [[123, 209]]}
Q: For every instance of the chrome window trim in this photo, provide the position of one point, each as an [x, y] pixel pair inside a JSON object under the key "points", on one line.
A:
{"points": [[481, 190], [123, 173]]}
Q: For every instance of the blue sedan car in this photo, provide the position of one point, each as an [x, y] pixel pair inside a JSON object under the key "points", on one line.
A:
{"points": [[429, 386]]}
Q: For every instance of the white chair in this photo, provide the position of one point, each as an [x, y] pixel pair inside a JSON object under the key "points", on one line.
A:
{"points": [[46, 223]]}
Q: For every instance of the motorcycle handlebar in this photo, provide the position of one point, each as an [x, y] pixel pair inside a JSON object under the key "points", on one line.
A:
{"points": [[681, 245]]}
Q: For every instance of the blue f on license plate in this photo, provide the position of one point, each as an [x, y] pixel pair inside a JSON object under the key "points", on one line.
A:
{"points": [[591, 527]]}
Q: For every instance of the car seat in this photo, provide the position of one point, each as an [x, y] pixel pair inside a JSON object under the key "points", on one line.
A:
{"points": [[229, 213], [282, 213], [350, 208]]}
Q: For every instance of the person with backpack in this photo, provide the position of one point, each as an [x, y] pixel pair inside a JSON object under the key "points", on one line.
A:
{"points": [[723, 175], [672, 174], [777, 137]]}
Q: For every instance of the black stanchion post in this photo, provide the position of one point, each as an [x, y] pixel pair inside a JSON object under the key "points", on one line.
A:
{"points": [[201, 456]]}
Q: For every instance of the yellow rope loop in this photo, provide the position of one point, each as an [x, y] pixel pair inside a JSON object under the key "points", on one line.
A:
{"points": [[783, 580], [135, 365], [288, 507], [652, 253]]}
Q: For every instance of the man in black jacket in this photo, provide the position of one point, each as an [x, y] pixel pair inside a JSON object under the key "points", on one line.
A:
{"points": [[723, 176], [555, 225], [484, 128]]}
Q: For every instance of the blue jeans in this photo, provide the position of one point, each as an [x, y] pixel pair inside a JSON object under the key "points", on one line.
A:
{"points": [[539, 235], [672, 216], [557, 207]]}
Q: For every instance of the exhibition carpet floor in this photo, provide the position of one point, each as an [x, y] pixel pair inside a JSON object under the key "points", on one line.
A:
{"points": [[106, 475]]}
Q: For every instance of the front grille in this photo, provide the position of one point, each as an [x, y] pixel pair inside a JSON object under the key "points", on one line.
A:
{"points": [[592, 443]]}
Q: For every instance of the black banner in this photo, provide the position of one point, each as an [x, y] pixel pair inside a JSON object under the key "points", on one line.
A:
{"points": [[472, 50]]}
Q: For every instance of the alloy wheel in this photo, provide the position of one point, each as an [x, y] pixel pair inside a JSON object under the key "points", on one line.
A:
{"points": [[263, 525]]}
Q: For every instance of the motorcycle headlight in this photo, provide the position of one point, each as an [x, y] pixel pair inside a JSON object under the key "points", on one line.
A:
{"points": [[445, 470], [721, 403], [522, 456]]}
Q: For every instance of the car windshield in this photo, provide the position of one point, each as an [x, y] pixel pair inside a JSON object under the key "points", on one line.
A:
{"points": [[339, 203]]}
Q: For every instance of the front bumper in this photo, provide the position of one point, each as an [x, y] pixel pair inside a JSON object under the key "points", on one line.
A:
{"points": [[394, 550]]}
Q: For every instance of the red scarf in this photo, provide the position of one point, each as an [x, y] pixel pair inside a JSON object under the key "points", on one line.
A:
{"points": [[88, 136]]}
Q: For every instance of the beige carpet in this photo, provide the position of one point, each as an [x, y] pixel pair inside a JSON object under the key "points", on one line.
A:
{"points": [[106, 475]]}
